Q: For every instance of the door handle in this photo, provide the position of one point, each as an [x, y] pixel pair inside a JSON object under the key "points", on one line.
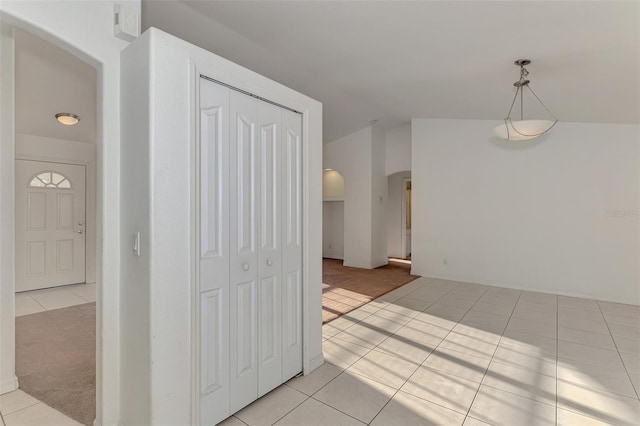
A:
{"points": [[245, 266], [80, 231], [269, 262]]}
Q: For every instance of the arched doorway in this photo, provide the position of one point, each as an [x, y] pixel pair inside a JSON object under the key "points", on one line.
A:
{"points": [[68, 27]]}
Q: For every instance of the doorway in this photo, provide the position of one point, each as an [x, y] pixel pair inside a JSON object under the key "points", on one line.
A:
{"points": [[50, 224], [55, 227], [406, 218], [399, 217]]}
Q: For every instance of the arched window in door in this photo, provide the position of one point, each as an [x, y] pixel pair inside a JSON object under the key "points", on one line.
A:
{"points": [[50, 180]]}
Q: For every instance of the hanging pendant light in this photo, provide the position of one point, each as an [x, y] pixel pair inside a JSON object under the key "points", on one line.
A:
{"points": [[522, 130]]}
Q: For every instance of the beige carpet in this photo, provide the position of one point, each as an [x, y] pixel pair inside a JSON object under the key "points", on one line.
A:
{"points": [[56, 359]]}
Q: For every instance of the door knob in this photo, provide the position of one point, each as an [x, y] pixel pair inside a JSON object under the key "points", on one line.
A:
{"points": [[80, 231], [269, 262], [245, 266]]}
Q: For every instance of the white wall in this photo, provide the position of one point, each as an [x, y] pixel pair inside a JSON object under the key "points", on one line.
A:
{"points": [[379, 254], [85, 29], [531, 215], [158, 287], [398, 149], [351, 157], [38, 148], [332, 215], [8, 379], [360, 159], [333, 229], [394, 213], [332, 184]]}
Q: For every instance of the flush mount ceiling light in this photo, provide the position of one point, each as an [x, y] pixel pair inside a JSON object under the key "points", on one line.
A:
{"points": [[67, 118], [522, 130]]}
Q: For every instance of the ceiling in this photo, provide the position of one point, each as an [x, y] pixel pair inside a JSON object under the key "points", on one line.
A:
{"points": [[50, 80], [394, 60]]}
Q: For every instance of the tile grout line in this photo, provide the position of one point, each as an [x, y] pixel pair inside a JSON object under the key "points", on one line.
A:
{"points": [[338, 410], [381, 309], [36, 300], [30, 406], [288, 412], [371, 349], [238, 419], [434, 349], [618, 350], [492, 356]]}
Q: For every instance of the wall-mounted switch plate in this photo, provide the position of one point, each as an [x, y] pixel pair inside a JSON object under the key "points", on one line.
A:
{"points": [[136, 244]]}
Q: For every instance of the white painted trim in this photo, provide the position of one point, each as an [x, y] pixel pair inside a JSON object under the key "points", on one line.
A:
{"points": [[365, 265], [334, 257], [516, 287], [315, 362], [403, 218], [194, 284], [7, 212], [9, 385]]}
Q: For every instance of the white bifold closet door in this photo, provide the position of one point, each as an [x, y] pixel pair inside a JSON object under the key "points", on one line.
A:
{"points": [[250, 249]]}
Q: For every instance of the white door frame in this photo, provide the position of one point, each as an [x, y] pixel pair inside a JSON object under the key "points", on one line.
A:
{"points": [[107, 350], [403, 219]]}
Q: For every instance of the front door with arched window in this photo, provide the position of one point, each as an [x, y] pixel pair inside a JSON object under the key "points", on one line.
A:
{"points": [[50, 224]]}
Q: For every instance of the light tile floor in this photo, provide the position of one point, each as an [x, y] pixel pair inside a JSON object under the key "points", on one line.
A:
{"points": [[31, 302], [448, 353], [21, 409]]}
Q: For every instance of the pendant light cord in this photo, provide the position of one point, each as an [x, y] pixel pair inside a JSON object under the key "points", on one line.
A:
{"points": [[520, 91]]}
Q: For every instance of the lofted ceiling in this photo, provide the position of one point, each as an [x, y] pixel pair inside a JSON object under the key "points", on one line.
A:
{"points": [[394, 60], [50, 80]]}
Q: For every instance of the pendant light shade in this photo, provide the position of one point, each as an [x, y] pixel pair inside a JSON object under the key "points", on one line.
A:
{"points": [[522, 130]]}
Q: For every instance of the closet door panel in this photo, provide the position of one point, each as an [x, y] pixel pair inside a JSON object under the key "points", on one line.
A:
{"points": [[292, 243], [213, 253], [244, 202], [270, 250]]}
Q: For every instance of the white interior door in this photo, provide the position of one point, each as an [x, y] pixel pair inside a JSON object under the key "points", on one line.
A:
{"points": [[244, 202], [50, 224], [270, 250], [292, 244], [214, 256], [250, 251]]}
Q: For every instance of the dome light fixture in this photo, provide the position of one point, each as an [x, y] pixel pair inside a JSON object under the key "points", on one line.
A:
{"points": [[67, 118], [522, 130]]}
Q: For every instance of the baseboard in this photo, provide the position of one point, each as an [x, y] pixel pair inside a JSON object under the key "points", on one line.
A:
{"points": [[377, 265], [315, 363], [333, 257], [523, 288], [358, 265], [9, 385], [95, 423]]}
